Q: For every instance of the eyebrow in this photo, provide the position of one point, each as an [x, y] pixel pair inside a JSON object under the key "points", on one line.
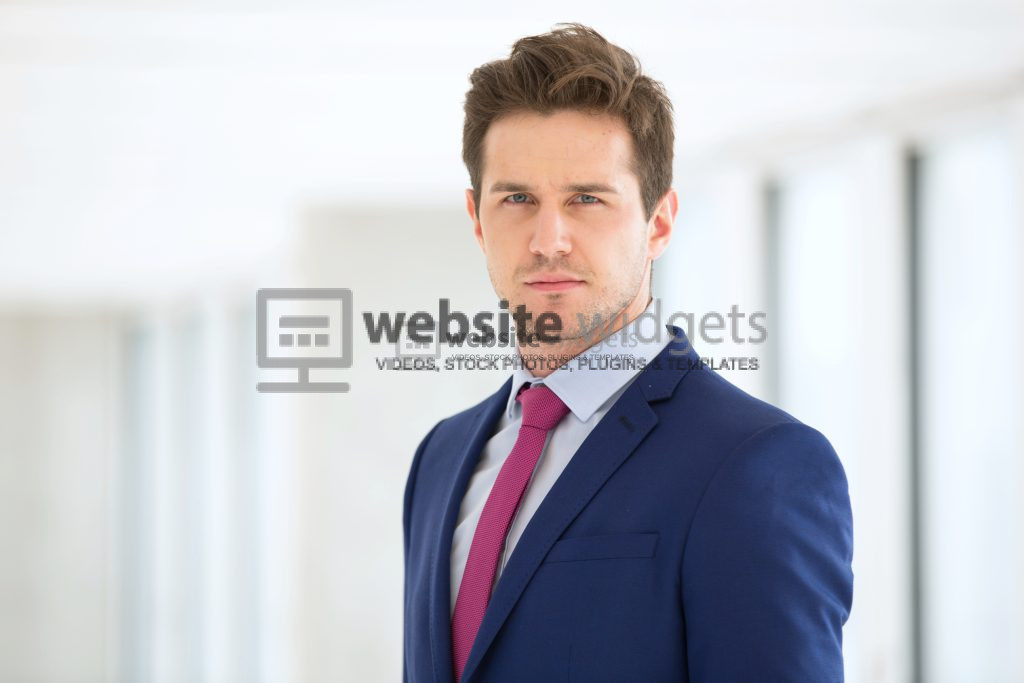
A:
{"points": [[585, 188]]}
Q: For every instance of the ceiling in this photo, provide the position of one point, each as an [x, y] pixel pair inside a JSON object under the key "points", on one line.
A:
{"points": [[145, 144]]}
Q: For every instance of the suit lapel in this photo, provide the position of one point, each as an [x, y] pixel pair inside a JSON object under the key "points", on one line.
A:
{"points": [[464, 463], [604, 450]]}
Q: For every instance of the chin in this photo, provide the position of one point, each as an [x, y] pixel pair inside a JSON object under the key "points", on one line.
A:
{"points": [[560, 305]]}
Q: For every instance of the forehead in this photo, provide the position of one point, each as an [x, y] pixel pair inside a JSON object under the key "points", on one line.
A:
{"points": [[562, 146]]}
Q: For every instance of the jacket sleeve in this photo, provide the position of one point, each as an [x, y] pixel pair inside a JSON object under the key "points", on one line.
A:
{"points": [[767, 580], [410, 485]]}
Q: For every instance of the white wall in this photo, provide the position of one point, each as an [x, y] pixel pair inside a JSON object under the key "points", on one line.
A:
{"points": [[58, 492], [973, 401]]}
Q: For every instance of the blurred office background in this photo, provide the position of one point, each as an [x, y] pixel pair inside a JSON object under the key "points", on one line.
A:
{"points": [[852, 168]]}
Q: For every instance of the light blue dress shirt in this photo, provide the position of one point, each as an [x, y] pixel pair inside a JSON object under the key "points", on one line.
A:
{"points": [[589, 386]]}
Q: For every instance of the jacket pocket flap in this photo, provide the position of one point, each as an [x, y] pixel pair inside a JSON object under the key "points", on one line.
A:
{"points": [[609, 546]]}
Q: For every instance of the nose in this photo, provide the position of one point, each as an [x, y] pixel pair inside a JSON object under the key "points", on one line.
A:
{"points": [[551, 234]]}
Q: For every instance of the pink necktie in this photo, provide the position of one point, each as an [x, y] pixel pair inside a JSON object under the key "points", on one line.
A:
{"points": [[542, 410]]}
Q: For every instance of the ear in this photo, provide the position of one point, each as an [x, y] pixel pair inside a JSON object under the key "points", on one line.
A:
{"points": [[659, 229], [471, 209]]}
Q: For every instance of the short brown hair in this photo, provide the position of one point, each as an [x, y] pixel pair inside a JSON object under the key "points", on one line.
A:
{"points": [[574, 68]]}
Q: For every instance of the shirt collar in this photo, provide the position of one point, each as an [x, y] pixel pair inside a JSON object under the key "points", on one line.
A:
{"points": [[584, 387]]}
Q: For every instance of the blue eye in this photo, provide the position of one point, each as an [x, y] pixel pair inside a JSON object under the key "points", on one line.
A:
{"points": [[518, 198], [588, 199]]}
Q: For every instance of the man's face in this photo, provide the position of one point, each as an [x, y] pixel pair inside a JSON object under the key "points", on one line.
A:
{"points": [[561, 220]]}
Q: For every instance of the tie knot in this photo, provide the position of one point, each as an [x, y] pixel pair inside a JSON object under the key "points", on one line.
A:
{"points": [[541, 407]]}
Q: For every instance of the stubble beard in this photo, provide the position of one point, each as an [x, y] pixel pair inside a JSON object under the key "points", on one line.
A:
{"points": [[588, 324]]}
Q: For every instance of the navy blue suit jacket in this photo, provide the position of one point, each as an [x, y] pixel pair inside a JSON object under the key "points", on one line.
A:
{"points": [[698, 534]]}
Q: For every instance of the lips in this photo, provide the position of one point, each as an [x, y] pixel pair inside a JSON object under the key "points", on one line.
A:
{"points": [[556, 286], [554, 283]]}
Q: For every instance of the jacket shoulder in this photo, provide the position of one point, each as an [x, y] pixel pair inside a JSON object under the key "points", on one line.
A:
{"points": [[723, 412]]}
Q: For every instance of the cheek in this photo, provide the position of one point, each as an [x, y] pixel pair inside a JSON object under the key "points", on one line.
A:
{"points": [[507, 246], [500, 262], [616, 247], [497, 228]]}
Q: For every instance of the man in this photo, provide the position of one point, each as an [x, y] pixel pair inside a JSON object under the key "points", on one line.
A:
{"points": [[646, 522]]}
